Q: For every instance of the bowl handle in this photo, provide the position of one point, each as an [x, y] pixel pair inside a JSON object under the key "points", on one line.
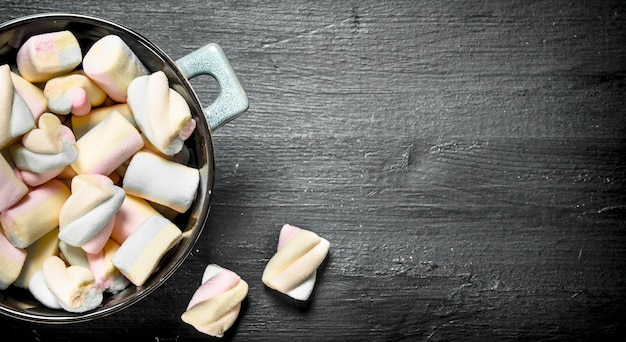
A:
{"points": [[232, 100]]}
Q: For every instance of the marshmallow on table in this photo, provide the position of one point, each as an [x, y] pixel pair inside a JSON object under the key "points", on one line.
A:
{"points": [[113, 65], [292, 270], [35, 214], [162, 181], [74, 93], [108, 277], [45, 151], [82, 124], [72, 286], [11, 262], [87, 217], [16, 117], [46, 55], [215, 305], [141, 252], [133, 212], [36, 254], [31, 94], [161, 113], [11, 187], [107, 145]]}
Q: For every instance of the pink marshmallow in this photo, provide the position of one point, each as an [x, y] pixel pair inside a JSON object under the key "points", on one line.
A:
{"points": [[74, 93], [107, 146], [46, 55], [133, 212], [215, 305], [35, 214], [32, 95], [11, 187]]}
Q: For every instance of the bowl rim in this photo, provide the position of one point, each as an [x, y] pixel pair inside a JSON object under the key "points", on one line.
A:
{"points": [[203, 214]]}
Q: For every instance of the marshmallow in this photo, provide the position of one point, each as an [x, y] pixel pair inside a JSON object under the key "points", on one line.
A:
{"points": [[106, 146], [292, 270], [215, 305], [36, 254], [46, 55], [72, 286], [15, 115], [167, 182], [11, 187], [31, 94], [41, 292], [36, 214], [112, 65], [140, 254], [11, 262], [82, 124], [108, 278], [87, 217], [73, 256], [133, 212], [45, 151], [74, 93], [162, 114]]}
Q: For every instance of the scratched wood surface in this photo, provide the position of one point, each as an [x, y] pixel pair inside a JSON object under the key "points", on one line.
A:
{"points": [[466, 160]]}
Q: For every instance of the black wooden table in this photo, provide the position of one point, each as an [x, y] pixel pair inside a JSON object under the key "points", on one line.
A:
{"points": [[466, 160]]}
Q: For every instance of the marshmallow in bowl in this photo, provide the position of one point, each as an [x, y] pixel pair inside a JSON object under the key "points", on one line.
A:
{"points": [[11, 187], [11, 262], [141, 252], [82, 124], [292, 270], [87, 217], [31, 94], [133, 212], [36, 254], [161, 113], [16, 117], [41, 292], [73, 286], [108, 277], [107, 145], [68, 129], [73, 93], [73, 256], [215, 305], [46, 55], [167, 183], [36, 214], [45, 151], [113, 65]]}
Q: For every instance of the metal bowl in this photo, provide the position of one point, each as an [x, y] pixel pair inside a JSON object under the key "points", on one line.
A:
{"points": [[232, 101]]}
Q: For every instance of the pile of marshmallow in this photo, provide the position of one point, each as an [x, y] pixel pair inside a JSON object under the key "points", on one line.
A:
{"points": [[93, 170]]}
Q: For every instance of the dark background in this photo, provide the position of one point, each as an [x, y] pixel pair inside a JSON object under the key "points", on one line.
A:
{"points": [[465, 159]]}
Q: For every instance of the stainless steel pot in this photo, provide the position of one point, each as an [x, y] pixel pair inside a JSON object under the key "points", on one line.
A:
{"points": [[231, 102]]}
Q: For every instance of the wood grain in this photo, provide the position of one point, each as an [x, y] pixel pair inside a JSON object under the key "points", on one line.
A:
{"points": [[465, 160]]}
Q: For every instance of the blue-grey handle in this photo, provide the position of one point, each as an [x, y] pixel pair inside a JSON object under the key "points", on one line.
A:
{"points": [[232, 100]]}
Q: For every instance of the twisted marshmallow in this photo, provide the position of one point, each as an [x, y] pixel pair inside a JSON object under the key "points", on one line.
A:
{"points": [[292, 270], [87, 217], [44, 151], [215, 305], [161, 113]]}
